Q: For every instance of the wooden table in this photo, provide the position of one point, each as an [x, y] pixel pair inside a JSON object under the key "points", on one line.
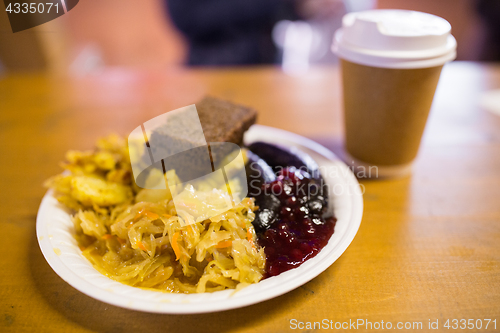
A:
{"points": [[428, 246]]}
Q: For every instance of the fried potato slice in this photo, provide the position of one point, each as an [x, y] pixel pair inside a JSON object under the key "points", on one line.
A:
{"points": [[96, 191]]}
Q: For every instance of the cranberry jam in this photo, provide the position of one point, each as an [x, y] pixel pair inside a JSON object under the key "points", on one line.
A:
{"points": [[300, 231]]}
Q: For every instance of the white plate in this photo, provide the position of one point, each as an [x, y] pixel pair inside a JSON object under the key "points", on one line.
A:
{"points": [[58, 245]]}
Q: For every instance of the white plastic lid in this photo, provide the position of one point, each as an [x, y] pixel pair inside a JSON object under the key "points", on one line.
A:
{"points": [[393, 38]]}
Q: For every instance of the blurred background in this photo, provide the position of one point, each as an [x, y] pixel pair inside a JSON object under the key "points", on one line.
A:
{"points": [[156, 34]]}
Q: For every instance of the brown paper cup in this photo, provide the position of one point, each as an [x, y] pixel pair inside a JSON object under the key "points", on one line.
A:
{"points": [[385, 114]]}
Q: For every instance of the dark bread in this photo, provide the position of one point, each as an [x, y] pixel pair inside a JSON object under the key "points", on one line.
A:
{"points": [[221, 121]]}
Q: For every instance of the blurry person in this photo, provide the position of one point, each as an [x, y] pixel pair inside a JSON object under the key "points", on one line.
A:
{"points": [[489, 10], [239, 32], [229, 32]]}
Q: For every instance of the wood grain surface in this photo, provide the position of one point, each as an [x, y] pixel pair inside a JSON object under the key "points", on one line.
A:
{"points": [[428, 246]]}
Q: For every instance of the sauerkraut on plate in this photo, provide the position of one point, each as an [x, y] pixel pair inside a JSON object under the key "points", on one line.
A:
{"points": [[137, 237]]}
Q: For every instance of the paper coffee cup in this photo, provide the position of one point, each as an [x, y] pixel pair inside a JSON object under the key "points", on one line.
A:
{"points": [[391, 61]]}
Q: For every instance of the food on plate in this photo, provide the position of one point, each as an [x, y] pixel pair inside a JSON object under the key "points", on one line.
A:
{"points": [[134, 236], [291, 226], [173, 241], [221, 121], [314, 193], [259, 173], [96, 179]]}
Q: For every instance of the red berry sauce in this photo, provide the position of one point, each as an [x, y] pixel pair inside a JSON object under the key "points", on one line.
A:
{"points": [[298, 234]]}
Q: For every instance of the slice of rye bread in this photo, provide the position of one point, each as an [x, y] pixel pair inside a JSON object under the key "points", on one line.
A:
{"points": [[222, 121]]}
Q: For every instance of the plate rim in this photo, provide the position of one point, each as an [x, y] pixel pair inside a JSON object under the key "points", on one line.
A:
{"points": [[230, 299]]}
